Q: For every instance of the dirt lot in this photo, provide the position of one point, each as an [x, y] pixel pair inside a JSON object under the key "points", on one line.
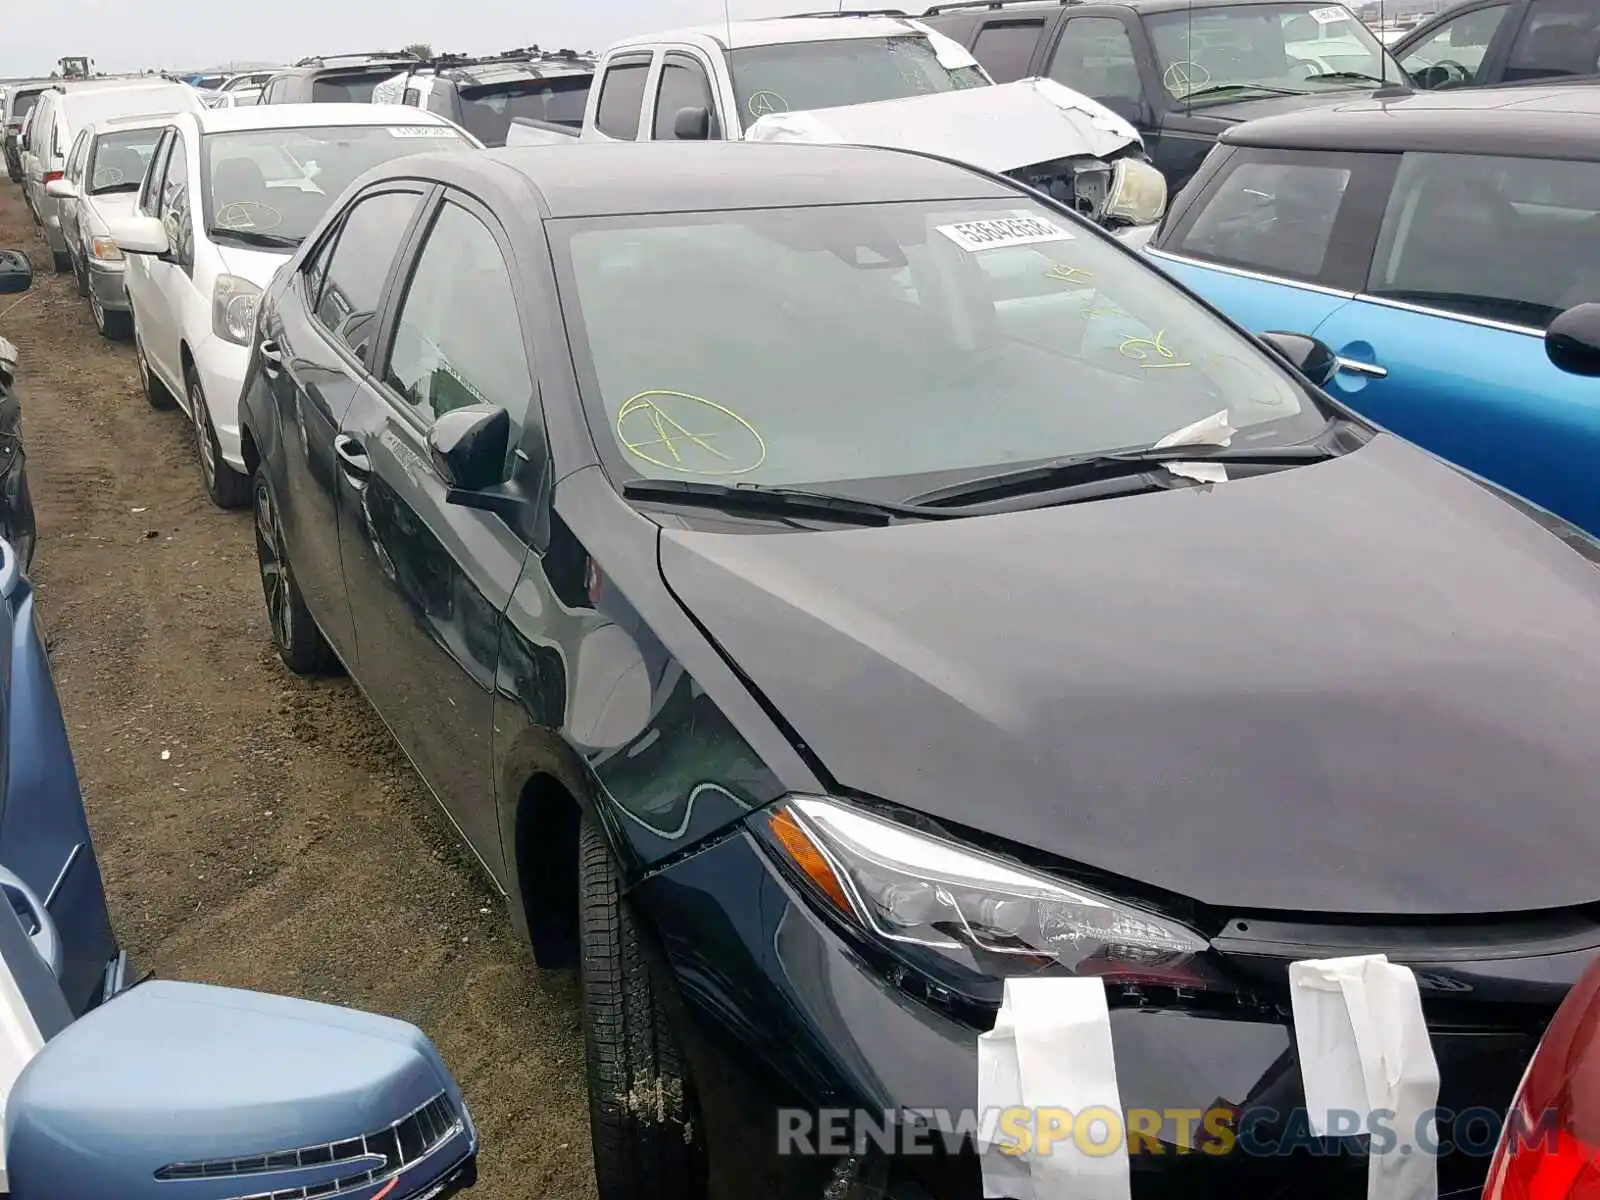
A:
{"points": [[256, 830]]}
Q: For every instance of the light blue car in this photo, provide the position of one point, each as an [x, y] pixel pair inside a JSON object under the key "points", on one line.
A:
{"points": [[1443, 245]]}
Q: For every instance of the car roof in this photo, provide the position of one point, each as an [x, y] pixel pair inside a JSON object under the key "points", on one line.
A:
{"points": [[614, 178], [302, 116], [122, 124], [734, 35], [74, 86], [1144, 6], [1548, 121]]}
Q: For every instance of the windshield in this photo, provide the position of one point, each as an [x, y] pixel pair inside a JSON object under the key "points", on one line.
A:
{"points": [[118, 160], [348, 89], [1223, 52], [487, 112], [271, 186], [893, 340], [796, 76]]}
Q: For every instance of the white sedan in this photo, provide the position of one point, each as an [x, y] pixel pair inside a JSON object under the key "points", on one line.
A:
{"points": [[263, 177]]}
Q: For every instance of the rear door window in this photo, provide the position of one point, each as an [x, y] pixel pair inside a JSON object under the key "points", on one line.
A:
{"points": [[1270, 213], [1005, 48], [1558, 37], [362, 256], [621, 98], [1512, 240]]}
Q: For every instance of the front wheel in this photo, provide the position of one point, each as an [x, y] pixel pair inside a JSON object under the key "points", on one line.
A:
{"points": [[226, 487], [294, 631], [641, 1107], [155, 392]]}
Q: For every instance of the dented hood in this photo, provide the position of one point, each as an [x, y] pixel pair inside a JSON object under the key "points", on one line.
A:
{"points": [[998, 128]]}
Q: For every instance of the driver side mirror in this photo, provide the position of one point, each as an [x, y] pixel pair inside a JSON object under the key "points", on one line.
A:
{"points": [[1312, 358], [1573, 340], [692, 124], [171, 1084], [139, 235], [16, 272], [61, 190], [470, 447]]}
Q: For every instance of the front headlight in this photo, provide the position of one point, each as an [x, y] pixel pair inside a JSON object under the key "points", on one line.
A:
{"points": [[1138, 194], [103, 249], [985, 916], [233, 309]]}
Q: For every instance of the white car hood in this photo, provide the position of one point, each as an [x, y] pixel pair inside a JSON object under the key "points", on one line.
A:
{"points": [[109, 207], [258, 266], [996, 128]]}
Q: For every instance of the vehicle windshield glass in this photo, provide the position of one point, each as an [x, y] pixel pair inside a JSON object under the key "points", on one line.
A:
{"points": [[118, 161], [23, 105], [277, 183], [487, 112], [348, 89], [1288, 47], [796, 76], [868, 342]]}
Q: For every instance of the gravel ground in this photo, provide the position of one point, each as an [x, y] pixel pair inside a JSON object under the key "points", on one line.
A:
{"points": [[254, 829]]}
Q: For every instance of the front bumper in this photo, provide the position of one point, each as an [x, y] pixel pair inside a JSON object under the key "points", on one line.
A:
{"points": [[221, 366], [107, 283], [784, 1016]]}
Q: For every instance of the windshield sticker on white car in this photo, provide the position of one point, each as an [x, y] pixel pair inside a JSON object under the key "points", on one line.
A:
{"points": [[1328, 16], [1020, 230], [421, 131]]}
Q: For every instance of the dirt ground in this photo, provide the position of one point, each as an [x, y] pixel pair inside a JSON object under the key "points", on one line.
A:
{"points": [[256, 830]]}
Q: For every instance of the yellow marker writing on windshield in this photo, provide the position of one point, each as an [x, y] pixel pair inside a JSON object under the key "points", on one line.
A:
{"points": [[1133, 347], [1067, 273], [684, 428]]}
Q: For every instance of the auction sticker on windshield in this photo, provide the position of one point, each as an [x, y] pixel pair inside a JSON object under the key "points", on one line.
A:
{"points": [[1328, 16], [1019, 230], [427, 131]]}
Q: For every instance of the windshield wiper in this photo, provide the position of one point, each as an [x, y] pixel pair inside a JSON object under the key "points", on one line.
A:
{"points": [[777, 501], [1220, 89], [1358, 76], [1090, 469], [112, 189], [254, 237]]}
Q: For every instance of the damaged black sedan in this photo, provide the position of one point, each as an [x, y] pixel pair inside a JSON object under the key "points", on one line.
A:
{"points": [[822, 583]]}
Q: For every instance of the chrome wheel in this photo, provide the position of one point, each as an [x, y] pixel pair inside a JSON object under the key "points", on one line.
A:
{"points": [[205, 443], [275, 581]]}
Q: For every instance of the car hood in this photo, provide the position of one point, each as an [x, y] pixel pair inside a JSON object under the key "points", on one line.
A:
{"points": [[258, 266], [999, 128], [111, 206], [1270, 106], [1361, 686]]}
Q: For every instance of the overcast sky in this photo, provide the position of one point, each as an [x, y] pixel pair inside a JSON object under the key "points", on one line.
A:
{"points": [[130, 35]]}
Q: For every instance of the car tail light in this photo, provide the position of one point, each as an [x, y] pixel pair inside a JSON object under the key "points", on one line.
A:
{"points": [[1550, 1146], [52, 176]]}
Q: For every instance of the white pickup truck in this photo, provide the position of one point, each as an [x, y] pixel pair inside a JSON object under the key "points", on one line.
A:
{"points": [[865, 79]]}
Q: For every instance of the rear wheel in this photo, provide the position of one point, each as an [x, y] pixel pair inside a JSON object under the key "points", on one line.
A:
{"points": [[226, 487], [61, 260], [294, 631], [641, 1106], [155, 392]]}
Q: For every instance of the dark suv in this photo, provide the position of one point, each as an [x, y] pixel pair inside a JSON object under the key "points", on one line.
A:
{"points": [[1181, 70], [1495, 42], [335, 78], [484, 95]]}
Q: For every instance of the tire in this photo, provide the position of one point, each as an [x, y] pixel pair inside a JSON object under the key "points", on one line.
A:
{"points": [[80, 275], [155, 392], [226, 487], [61, 260], [294, 631], [113, 326], [641, 1105]]}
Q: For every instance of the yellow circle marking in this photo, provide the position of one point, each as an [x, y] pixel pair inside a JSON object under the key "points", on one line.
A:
{"points": [[672, 437], [761, 104]]}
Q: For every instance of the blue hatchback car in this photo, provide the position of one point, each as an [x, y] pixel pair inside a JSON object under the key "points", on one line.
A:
{"points": [[1431, 240]]}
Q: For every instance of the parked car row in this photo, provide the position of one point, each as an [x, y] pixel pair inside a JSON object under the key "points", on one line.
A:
{"points": [[821, 582]]}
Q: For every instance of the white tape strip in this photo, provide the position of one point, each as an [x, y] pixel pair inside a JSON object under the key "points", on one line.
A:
{"points": [[1364, 1047], [1051, 1048]]}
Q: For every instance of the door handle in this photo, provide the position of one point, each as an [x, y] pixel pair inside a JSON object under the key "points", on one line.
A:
{"points": [[1356, 367], [271, 358], [352, 458]]}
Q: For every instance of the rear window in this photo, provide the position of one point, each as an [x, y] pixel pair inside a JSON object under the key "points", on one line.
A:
{"points": [[348, 89], [487, 112], [1005, 48], [23, 105]]}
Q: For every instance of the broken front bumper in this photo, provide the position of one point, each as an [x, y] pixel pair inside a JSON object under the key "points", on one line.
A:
{"points": [[1118, 193]]}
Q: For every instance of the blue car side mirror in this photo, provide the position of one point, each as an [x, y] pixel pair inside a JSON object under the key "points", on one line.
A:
{"points": [[181, 1091], [1573, 340]]}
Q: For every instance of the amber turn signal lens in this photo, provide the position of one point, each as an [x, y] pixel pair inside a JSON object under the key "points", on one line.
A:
{"points": [[812, 862]]}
